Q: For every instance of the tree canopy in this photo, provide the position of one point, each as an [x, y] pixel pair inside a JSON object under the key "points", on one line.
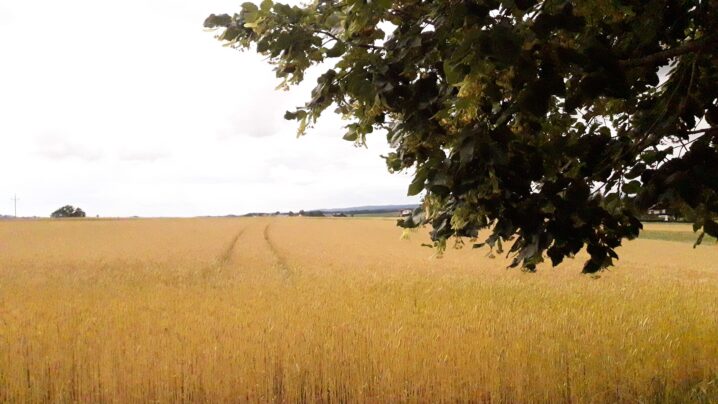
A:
{"points": [[68, 211], [548, 124]]}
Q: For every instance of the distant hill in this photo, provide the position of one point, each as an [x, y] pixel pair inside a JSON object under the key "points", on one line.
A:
{"points": [[368, 210], [371, 208]]}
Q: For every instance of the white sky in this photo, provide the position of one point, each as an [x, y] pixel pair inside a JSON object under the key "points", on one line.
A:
{"points": [[132, 108]]}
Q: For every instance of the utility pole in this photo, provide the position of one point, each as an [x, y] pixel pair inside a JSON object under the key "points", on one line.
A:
{"points": [[14, 199]]}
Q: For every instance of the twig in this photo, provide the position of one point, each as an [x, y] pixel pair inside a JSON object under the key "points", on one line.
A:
{"points": [[688, 47], [336, 38], [693, 132]]}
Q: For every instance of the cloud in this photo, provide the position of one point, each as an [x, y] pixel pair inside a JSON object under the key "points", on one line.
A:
{"points": [[57, 148], [156, 118], [141, 155], [255, 122], [6, 16], [254, 107]]}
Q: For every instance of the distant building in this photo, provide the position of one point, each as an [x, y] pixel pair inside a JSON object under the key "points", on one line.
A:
{"points": [[662, 212]]}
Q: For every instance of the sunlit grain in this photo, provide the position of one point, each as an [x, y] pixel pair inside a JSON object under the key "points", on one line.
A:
{"points": [[296, 309]]}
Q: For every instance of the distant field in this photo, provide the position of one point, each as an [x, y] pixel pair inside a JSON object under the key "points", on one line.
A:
{"points": [[674, 232], [342, 310], [381, 214]]}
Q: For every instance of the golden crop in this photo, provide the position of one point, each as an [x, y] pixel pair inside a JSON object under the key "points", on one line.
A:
{"points": [[305, 310]]}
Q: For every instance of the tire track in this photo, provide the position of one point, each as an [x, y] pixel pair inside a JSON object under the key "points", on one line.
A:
{"points": [[226, 256], [222, 260], [279, 258]]}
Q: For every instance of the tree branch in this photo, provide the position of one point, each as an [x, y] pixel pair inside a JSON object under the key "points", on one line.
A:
{"points": [[693, 132], [336, 38], [688, 47]]}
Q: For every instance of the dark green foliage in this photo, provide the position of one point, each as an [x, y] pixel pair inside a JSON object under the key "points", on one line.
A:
{"points": [[68, 211], [541, 122], [312, 213]]}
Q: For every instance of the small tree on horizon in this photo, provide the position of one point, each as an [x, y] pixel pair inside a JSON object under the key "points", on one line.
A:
{"points": [[68, 211]]}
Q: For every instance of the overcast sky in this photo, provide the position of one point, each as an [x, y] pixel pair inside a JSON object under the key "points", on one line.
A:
{"points": [[132, 108]]}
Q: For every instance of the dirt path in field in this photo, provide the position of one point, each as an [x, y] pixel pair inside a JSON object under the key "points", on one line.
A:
{"points": [[224, 260], [252, 251], [225, 257], [279, 258]]}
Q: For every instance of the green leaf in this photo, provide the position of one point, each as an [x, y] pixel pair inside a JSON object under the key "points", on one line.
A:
{"points": [[636, 171], [417, 185], [524, 5], [612, 202], [452, 74], [466, 153], [351, 135], [712, 115], [214, 21], [535, 99], [249, 14], [266, 5], [249, 7], [632, 187], [711, 228], [653, 156], [505, 43], [360, 88], [337, 50]]}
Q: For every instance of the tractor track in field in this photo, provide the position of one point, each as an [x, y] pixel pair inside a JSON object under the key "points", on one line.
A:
{"points": [[226, 256], [223, 260], [279, 258]]}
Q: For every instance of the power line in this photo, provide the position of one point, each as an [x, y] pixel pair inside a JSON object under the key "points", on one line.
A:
{"points": [[14, 199]]}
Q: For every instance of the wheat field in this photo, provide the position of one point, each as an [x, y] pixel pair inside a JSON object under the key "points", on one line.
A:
{"points": [[341, 310]]}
